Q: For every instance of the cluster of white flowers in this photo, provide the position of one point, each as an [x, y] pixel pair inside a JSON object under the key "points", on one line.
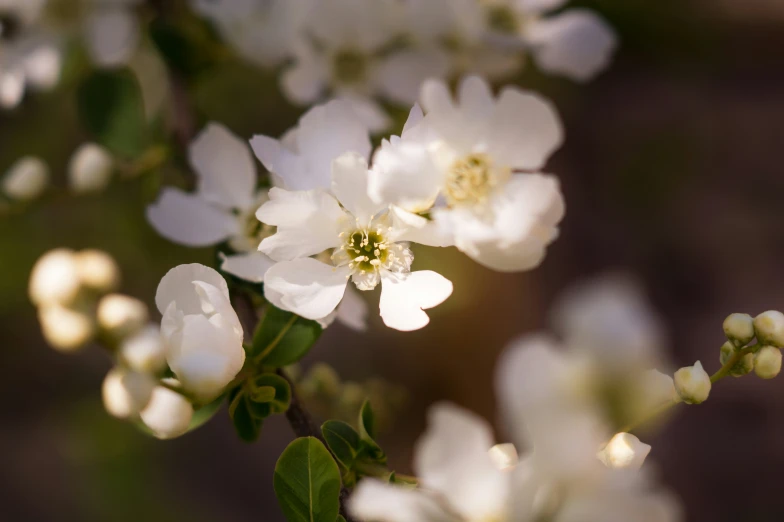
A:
{"points": [[575, 467], [364, 51], [463, 174]]}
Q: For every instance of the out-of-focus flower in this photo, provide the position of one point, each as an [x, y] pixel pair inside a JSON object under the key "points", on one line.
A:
{"points": [[201, 330], [693, 384], [126, 392], [464, 156], [168, 414], [223, 207], [111, 30], [121, 315], [66, 329], [769, 327], [55, 278], [144, 351], [263, 31], [369, 248], [90, 169], [26, 179], [767, 362], [97, 270], [624, 451]]}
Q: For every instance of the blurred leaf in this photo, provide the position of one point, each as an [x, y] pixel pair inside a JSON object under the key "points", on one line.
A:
{"points": [[307, 482], [367, 432], [343, 441], [283, 338], [112, 110], [182, 50]]}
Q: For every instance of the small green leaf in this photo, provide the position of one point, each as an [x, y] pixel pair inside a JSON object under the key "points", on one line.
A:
{"points": [[206, 412], [246, 419], [343, 441], [307, 482], [280, 397], [283, 338], [112, 109], [367, 432]]}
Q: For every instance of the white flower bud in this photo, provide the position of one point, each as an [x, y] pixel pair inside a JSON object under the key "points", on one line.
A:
{"points": [[168, 414], [90, 169], [55, 278], [767, 362], [658, 388], [126, 392], [624, 451], [692, 384], [26, 179], [97, 270], [743, 366], [739, 328], [504, 456], [65, 329], [121, 315], [144, 351], [770, 328]]}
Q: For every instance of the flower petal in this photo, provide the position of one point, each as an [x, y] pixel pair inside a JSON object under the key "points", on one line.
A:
{"points": [[407, 226], [177, 286], [306, 287], [350, 186], [189, 220], [401, 75], [405, 296], [285, 164], [112, 35], [250, 267], [382, 502], [306, 79]]}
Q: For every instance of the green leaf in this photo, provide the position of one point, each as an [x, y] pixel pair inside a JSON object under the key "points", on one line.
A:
{"points": [[367, 432], [343, 441], [272, 391], [112, 109], [246, 419], [206, 412], [307, 482], [283, 338]]}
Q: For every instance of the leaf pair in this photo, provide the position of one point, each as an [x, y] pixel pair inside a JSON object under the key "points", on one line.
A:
{"points": [[356, 451], [256, 399]]}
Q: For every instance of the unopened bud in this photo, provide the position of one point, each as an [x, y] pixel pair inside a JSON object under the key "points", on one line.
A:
{"points": [[126, 392], [97, 270], [121, 315], [144, 351], [767, 362], [65, 329], [26, 179], [504, 456], [624, 451], [692, 384], [90, 169], [769, 327], [55, 278], [743, 366], [168, 414], [739, 328]]}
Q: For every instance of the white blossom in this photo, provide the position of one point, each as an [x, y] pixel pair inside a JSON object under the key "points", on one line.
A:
{"points": [[55, 278], [624, 451], [97, 270], [767, 362], [144, 351], [121, 315], [223, 206], [26, 179], [168, 414], [126, 392], [90, 169], [66, 329], [769, 327], [464, 157], [693, 384], [201, 330]]}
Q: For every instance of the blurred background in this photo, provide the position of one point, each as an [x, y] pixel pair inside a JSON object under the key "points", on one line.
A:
{"points": [[671, 171]]}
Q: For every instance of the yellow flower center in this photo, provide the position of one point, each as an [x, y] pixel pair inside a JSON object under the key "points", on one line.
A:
{"points": [[471, 180]]}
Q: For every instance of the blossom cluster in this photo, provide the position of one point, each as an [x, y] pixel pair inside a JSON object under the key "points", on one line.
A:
{"points": [[465, 172]]}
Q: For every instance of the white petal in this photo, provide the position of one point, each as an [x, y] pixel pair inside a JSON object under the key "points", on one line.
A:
{"points": [[168, 413], [405, 296], [415, 117], [524, 130], [576, 43], [308, 222], [405, 175], [288, 166], [112, 35], [189, 220], [476, 98], [369, 112], [177, 286], [306, 287], [305, 80], [400, 76], [250, 267], [382, 502], [225, 168], [353, 310], [452, 458], [417, 229], [350, 186], [435, 96], [538, 6]]}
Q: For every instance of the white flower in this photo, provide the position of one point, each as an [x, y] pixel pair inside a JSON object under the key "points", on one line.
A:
{"points": [[693, 384], [624, 451], [769, 327], [368, 244], [112, 31], [223, 207], [263, 32], [55, 278], [575, 43], [97, 270], [144, 351], [463, 157], [126, 392], [66, 329], [767, 362], [90, 168], [201, 330], [121, 315], [26, 179], [168, 414]]}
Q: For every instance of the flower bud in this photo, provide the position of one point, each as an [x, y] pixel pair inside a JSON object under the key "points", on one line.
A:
{"points": [[504, 456], [769, 327], [126, 392], [739, 328], [144, 351], [624, 451], [26, 179], [740, 368], [767, 362], [692, 384], [65, 329], [121, 315], [97, 270], [90, 169], [168, 414], [54, 279]]}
